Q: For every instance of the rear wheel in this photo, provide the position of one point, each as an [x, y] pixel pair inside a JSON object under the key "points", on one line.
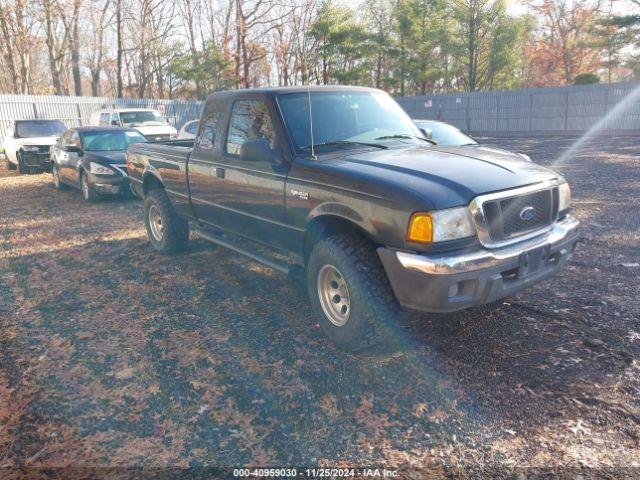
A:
{"points": [[88, 191], [350, 292], [167, 232], [22, 166]]}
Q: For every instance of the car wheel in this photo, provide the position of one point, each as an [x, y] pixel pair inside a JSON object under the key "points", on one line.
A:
{"points": [[167, 232], [22, 167], [350, 292], [10, 166], [56, 179], [88, 191]]}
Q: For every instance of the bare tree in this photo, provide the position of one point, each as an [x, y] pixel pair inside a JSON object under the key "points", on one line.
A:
{"points": [[100, 17]]}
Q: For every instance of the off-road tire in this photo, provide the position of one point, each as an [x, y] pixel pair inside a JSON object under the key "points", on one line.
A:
{"points": [[89, 192], [22, 167], [175, 231], [374, 310], [58, 185]]}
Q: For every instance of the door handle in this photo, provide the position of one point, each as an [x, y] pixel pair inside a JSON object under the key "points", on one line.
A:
{"points": [[220, 172]]}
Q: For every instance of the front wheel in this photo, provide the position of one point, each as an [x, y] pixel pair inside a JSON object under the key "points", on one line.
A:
{"points": [[350, 292], [167, 232], [56, 179], [88, 191], [22, 166]]}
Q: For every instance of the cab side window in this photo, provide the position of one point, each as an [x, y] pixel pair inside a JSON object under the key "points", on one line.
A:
{"points": [[75, 139], [65, 139], [209, 130], [104, 118], [250, 119], [115, 118]]}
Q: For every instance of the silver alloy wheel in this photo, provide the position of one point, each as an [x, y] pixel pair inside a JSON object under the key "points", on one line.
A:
{"points": [[85, 187], [155, 223], [334, 295], [56, 177]]}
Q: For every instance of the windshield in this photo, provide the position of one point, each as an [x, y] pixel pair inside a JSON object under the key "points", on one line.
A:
{"points": [[142, 118], [445, 134], [365, 117], [39, 128], [111, 141]]}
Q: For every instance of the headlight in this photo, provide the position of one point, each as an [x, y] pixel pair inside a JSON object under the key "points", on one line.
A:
{"points": [[440, 225], [98, 169], [173, 135], [29, 148], [564, 202]]}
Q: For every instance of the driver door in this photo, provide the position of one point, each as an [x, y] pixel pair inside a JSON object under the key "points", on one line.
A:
{"points": [[73, 162], [61, 156], [250, 194]]}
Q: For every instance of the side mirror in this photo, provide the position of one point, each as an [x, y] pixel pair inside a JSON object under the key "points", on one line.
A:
{"points": [[427, 133], [257, 150], [71, 148]]}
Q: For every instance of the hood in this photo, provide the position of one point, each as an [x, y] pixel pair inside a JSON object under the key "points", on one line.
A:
{"points": [[115, 158], [442, 176], [37, 141], [156, 129]]}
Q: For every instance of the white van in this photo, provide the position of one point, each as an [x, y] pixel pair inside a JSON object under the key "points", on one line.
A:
{"points": [[148, 122]]}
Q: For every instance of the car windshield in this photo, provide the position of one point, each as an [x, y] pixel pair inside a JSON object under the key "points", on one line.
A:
{"points": [[39, 128], [344, 117], [445, 134], [142, 118], [111, 141]]}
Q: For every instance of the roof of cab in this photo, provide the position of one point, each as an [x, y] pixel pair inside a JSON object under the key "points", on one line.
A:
{"points": [[127, 109], [104, 128], [294, 89]]}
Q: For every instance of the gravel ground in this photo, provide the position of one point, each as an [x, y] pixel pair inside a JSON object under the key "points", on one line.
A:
{"points": [[114, 356]]}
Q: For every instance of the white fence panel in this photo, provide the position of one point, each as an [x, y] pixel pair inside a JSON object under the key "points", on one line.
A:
{"points": [[572, 109]]}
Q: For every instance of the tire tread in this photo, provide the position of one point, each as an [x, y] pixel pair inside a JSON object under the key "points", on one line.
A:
{"points": [[176, 230]]}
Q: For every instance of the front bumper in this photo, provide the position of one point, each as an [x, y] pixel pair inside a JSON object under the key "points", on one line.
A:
{"points": [[109, 184], [454, 281], [36, 159]]}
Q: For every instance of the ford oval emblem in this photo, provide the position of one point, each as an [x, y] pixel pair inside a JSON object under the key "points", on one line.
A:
{"points": [[527, 213]]}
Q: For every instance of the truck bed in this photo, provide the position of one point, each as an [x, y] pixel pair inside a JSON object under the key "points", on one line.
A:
{"points": [[167, 160]]}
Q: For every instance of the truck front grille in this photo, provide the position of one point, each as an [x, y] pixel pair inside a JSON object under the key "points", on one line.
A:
{"points": [[510, 217]]}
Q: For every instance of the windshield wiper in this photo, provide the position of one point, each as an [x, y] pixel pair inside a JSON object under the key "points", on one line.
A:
{"points": [[406, 135], [344, 142]]}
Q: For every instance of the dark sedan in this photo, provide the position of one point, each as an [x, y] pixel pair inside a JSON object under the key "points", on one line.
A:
{"points": [[445, 134], [93, 160]]}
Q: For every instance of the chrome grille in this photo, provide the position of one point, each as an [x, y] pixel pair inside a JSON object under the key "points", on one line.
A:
{"points": [[510, 217]]}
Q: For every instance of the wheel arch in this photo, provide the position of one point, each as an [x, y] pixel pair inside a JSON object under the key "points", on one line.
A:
{"points": [[324, 226], [150, 181]]}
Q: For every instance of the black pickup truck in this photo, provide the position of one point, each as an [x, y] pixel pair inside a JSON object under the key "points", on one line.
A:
{"points": [[339, 183]]}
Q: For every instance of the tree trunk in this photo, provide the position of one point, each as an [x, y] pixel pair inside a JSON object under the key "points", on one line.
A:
{"points": [[119, 48], [75, 50], [8, 54]]}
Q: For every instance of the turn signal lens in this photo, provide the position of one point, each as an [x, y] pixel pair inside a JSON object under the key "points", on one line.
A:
{"points": [[420, 228]]}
